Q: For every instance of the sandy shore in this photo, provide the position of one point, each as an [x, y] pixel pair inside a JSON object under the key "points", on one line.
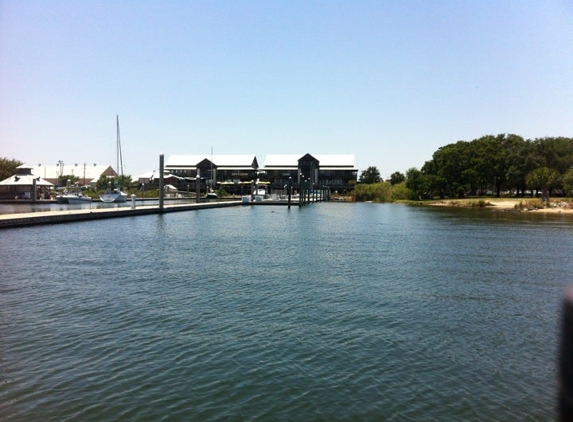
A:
{"points": [[556, 205]]}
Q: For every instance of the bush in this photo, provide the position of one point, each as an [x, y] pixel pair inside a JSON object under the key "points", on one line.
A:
{"points": [[529, 204], [381, 192]]}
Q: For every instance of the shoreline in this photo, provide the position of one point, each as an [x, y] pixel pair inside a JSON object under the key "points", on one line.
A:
{"points": [[556, 205]]}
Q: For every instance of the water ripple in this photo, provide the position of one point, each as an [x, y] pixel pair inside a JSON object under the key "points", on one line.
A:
{"points": [[335, 312]]}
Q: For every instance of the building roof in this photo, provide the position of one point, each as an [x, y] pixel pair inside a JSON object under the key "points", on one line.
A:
{"points": [[24, 177], [91, 172], [334, 161], [233, 160]]}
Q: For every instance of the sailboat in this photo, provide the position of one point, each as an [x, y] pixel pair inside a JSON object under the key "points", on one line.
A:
{"points": [[115, 194]]}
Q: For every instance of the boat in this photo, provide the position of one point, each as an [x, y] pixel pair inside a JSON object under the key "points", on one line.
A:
{"points": [[73, 198], [115, 194]]}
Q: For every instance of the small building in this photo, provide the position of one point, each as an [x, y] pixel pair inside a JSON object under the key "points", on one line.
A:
{"points": [[25, 185], [88, 174]]}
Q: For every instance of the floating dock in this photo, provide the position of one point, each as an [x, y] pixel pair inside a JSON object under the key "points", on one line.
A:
{"points": [[87, 214]]}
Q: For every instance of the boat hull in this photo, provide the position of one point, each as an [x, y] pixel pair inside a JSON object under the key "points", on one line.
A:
{"points": [[113, 197], [79, 200], [72, 199]]}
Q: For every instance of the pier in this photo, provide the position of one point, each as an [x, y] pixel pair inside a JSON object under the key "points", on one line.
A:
{"points": [[88, 214]]}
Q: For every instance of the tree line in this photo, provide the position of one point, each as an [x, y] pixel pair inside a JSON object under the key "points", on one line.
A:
{"points": [[495, 164], [490, 165]]}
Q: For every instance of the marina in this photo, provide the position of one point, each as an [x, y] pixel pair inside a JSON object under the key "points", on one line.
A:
{"points": [[19, 213]]}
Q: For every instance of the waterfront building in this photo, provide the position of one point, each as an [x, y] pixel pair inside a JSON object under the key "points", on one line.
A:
{"points": [[240, 174], [333, 171], [24, 185], [232, 172]]}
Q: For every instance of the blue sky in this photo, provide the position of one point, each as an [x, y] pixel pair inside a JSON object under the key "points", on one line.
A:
{"points": [[387, 81]]}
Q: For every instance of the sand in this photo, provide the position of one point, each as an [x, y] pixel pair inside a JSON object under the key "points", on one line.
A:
{"points": [[556, 205]]}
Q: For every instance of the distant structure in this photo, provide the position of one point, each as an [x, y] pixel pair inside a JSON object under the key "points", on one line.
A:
{"points": [[88, 174], [333, 171], [24, 185], [240, 174]]}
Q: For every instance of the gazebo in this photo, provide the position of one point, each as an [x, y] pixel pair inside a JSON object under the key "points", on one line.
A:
{"points": [[24, 185]]}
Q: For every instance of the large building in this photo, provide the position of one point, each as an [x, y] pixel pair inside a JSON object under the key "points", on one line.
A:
{"points": [[336, 172], [238, 173], [88, 174], [233, 172]]}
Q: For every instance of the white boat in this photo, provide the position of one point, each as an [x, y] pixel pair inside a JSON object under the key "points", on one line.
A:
{"points": [[73, 198], [115, 194]]}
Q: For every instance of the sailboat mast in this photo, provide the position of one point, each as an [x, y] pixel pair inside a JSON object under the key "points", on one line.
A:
{"points": [[119, 156]]}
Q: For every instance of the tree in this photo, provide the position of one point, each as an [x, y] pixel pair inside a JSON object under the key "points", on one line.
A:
{"points": [[543, 178], [370, 175], [8, 167], [63, 180], [396, 178], [568, 182], [423, 186], [123, 182]]}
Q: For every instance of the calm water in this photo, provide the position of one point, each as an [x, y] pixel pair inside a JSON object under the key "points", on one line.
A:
{"points": [[333, 312]]}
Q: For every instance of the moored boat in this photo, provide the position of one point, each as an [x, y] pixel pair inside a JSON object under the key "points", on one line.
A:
{"points": [[73, 198], [115, 194]]}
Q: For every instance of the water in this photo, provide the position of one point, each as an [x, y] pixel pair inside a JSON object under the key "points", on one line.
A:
{"points": [[332, 312]]}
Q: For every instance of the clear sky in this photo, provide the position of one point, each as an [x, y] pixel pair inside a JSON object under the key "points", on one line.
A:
{"points": [[387, 81]]}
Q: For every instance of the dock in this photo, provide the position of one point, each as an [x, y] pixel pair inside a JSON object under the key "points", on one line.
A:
{"points": [[88, 214]]}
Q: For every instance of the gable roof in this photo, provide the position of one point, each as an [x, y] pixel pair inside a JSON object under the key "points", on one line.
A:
{"points": [[87, 171], [24, 177]]}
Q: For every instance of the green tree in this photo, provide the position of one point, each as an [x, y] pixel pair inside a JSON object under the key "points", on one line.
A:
{"points": [[370, 175], [396, 178], [556, 153], [568, 182], [63, 180], [543, 179], [102, 182], [8, 167], [447, 168], [423, 186], [123, 182], [522, 158]]}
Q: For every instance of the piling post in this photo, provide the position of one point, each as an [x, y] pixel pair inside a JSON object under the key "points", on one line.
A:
{"points": [[289, 190], [198, 185], [161, 192], [565, 381], [33, 190], [301, 192]]}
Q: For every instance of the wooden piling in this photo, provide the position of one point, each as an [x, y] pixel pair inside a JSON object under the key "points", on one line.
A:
{"points": [[161, 190]]}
